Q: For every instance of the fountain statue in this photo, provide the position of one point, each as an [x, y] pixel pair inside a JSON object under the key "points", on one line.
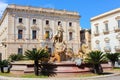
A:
{"points": [[59, 45], [83, 51]]}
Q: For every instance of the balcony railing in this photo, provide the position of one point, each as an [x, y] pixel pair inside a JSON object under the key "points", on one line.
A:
{"points": [[117, 29], [96, 33], [26, 38], [117, 48], [105, 31]]}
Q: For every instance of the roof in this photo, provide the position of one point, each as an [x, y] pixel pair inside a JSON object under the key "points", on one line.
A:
{"points": [[105, 14], [38, 9]]}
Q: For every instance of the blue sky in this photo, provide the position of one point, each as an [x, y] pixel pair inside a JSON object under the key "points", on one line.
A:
{"points": [[86, 8]]}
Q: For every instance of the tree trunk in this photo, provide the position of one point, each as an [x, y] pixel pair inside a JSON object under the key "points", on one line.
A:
{"points": [[112, 64], [97, 68], [36, 67]]}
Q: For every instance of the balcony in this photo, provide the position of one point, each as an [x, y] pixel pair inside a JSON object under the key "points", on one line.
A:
{"points": [[107, 49], [117, 48], [24, 38], [105, 31], [117, 29], [96, 33]]}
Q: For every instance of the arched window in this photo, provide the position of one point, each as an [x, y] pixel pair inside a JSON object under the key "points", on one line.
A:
{"points": [[47, 22], [59, 23], [34, 21], [70, 24]]}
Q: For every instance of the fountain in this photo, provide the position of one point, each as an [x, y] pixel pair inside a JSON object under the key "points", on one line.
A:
{"points": [[62, 61], [59, 45]]}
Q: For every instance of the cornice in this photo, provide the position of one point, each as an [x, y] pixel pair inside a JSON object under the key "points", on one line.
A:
{"points": [[20, 26], [105, 14], [71, 29], [34, 27], [106, 21], [117, 18], [43, 11]]}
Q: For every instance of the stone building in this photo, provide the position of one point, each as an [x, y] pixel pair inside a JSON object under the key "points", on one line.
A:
{"points": [[26, 27], [85, 37], [105, 30]]}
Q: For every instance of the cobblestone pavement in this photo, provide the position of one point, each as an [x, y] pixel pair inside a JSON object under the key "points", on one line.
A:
{"points": [[109, 77]]}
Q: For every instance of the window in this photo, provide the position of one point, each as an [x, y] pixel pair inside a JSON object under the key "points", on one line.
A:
{"points": [[106, 26], [20, 33], [82, 35], [70, 36], [20, 51], [107, 47], [47, 34], [59, 23], [97, 29], [70, 24], [34, 49], [34, 34], [20, 20], [118, 23], [34, 21], [98, 47], [47, 22]]}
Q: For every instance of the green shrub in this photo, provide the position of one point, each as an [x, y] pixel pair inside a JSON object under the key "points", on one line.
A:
{"points": [[96, 58], [112, 57], [16, 57], [5, 63]]}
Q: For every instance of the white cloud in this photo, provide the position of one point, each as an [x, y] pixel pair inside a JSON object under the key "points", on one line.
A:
{"points": [[3, 5]]}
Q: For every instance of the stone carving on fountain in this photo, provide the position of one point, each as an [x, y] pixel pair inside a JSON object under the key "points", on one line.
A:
{"points": [[59, 46], [62, 53], [83, 51]]}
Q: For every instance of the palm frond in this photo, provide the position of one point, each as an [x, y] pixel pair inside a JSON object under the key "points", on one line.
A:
{"points": [[36, 54], [95, 57]]}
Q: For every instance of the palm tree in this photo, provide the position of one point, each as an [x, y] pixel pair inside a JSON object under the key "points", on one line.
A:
{"points": [[36, 55], [96, 58], [112, 57]]}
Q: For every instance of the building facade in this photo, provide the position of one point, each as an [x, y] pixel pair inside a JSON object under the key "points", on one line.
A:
{"points": [[25, 27], [85, 37], [105, 30]]}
